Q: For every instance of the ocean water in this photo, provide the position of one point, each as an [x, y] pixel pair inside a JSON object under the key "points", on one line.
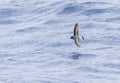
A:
{"points": [[35, 44]]}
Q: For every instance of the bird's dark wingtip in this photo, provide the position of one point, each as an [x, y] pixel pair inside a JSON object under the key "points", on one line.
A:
{"points": [[76, 24]]}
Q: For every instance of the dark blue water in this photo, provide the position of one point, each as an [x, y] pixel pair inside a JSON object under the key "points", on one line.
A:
{"points": [[35, 44]]}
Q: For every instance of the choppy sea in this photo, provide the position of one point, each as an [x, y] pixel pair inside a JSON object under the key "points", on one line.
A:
{"points": [[35, 44]]}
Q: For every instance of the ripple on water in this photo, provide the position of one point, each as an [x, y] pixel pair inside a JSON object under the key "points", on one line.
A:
{"points": [[83, 8], [9, 12], [69, 9], [9, 21], [87, 25], [112, 65], [90, 69], [113, 19], [76, 55], [28, 30]]}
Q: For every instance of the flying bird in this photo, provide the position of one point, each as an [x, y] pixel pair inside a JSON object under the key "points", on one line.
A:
{"points": [[76, 35]]}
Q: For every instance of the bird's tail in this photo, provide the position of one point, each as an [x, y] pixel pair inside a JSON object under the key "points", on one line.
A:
{"points": [[82, 37]]}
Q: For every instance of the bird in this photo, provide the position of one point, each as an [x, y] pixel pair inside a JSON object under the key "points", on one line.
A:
{"points": [[75, 36]]}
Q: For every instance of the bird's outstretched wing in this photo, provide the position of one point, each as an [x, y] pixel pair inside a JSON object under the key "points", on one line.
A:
{"points": [[76, 29], [77, 41]]}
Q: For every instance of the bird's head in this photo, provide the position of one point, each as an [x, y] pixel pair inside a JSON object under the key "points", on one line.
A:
{"points": [[72, 37]]}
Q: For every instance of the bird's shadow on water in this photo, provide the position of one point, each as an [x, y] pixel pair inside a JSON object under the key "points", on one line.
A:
{"points": [[76, 55]]}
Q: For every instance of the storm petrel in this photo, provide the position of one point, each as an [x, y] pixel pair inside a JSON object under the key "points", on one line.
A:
{"points": [[76, 35]]}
